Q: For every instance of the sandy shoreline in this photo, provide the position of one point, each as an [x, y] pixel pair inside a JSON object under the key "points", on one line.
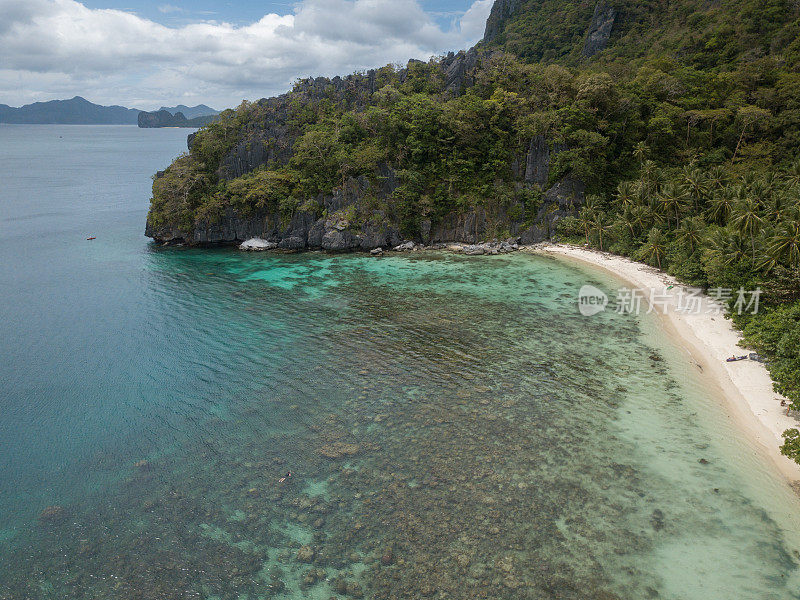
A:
{"points": [[709, 339]]}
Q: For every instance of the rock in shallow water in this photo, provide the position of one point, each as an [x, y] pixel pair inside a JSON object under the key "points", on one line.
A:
{"points": [[53, 514], [305, 554], [339, 450], [257, 245]]}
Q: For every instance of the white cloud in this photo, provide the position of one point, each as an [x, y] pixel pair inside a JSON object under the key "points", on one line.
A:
{"points": [[57, 48]]}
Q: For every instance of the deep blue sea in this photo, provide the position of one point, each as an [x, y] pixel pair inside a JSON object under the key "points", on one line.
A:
{"points": [[452, 426]]}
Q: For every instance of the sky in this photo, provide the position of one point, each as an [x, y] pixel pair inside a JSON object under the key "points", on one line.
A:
{"points": [[150, 53]]}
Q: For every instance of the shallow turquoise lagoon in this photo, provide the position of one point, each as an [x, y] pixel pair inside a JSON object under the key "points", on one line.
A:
{"points": [[454, 428]]}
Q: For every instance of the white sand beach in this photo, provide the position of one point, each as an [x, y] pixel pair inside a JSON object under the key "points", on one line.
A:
{"points": [[709, 339]]}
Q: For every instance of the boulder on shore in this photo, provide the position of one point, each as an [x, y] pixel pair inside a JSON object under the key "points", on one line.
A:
{"points": [[405, 247], [257, 245]]}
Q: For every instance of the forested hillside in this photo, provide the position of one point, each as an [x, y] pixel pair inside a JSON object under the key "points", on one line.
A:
{"points": [[668, 131]]}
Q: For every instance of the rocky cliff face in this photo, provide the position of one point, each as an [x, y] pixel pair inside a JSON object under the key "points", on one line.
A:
{"points": [[339, 231], [459, 69], [502, 10], [271, 140], [599, 29]]}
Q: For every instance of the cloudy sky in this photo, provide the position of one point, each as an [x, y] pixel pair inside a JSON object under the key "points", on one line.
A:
{"points": [[148, 53]]}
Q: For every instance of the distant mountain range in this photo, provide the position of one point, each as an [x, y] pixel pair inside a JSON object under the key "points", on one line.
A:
{"points": [[191, 112], [79, 111]]}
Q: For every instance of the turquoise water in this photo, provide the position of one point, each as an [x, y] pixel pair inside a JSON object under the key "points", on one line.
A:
{"points": [[454, 428]]}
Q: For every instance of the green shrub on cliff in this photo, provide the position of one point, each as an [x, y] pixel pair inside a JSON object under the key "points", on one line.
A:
{"points": [[179, 193]]}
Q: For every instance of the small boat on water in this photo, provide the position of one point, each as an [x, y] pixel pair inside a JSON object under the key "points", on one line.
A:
{"points": [[90, 238]]}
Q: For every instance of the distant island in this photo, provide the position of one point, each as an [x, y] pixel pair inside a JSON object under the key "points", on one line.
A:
{"points": [[190, 112], [166, 117], [79, 111]]}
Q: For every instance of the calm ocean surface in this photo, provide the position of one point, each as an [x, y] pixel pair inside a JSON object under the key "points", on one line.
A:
{"points": [[454, 427]]}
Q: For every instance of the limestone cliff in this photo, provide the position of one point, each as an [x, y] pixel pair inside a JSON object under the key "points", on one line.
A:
{"points": [[502, 10], [599, 29], [330, 228], [343, 219]]}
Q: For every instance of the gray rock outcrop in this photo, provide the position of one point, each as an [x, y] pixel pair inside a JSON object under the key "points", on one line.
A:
{"points": [[458, 70], [600, 28], [537, 161], [502, 10]]}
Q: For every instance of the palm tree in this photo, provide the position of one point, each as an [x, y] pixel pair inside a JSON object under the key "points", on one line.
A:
{"points": [[781, 205], [695, 185], [721, 205], [592, 203], [650, 177], [673, 199], [793, 176], [767, 259], [716, 177], [655, 248], [690, 233], [641, 217], [640, 152], [748, 179], [625, 220], [747, 219], [586, 217], [727, 246], [599, 225], [784, 245], [642, 194], [626, 194], [769, 184]]}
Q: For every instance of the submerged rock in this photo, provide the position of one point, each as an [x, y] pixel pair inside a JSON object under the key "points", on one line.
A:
{"points": [[354, 589], [306, 554], [143, 466], [53, 515], [339, 450], [657, 520]]}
